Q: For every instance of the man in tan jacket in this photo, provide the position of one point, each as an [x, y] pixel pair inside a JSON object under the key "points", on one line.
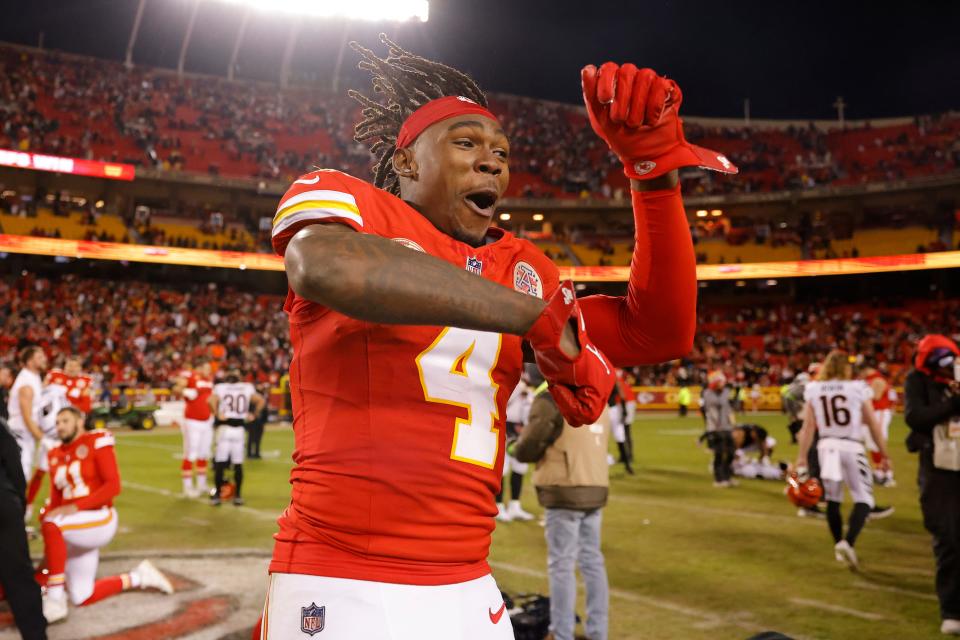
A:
{"points": [[572, 480]]}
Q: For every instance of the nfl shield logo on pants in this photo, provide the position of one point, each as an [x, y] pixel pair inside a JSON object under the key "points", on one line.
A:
{"points": [[312, 619]]}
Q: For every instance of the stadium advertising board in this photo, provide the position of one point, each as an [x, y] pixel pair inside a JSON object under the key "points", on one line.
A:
{"points": [[59, 164], [94, 250]]}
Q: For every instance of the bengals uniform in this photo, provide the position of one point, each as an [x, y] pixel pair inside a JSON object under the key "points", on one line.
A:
{"points": [[400, 490]]}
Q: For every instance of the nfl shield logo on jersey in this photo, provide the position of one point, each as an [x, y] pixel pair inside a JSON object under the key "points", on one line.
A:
{"points": [[312, 619], [474, 265]]}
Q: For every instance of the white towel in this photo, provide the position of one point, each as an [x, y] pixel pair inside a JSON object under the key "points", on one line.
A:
{"points": [[830, 450]]}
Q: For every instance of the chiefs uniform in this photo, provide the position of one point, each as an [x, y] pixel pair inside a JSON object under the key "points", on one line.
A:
{"points": [[83, 473], [400, 489], [78, 389], [197, 417], [884, 397]]}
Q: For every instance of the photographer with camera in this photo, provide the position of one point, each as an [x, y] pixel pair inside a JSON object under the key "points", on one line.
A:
{"points": [[932, 396]]}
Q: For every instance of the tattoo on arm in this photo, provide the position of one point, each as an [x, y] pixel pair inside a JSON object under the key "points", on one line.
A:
{"points": [[377, 280]]}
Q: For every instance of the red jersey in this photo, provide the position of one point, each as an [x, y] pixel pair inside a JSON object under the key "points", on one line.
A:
{"points": [[399, 430], [78, 388], [197, 407], [84, 472], [881, 390]]}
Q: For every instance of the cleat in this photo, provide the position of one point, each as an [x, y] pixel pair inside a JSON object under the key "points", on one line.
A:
{"points": [[516, 512], [152, 578], [237, 501], [215, 501], [502, 514], [878, 512], [950, 627], [55, 607], [844, 553]]}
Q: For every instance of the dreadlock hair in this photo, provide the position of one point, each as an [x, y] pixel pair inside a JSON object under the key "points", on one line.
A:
{"points": [[408, 82]]}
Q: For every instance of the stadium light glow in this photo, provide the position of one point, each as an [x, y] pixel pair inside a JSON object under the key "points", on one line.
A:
{"points": [[538, 217], [371, 10], [504, 216], [716, 212], [701, 213]]}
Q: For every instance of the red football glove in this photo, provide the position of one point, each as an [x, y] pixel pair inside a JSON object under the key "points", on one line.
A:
{"points": [[636, 112], [580, 386]]}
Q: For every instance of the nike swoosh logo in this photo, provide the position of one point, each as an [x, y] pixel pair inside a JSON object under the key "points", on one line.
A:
{"points": [[495, 617], [313, 180]]}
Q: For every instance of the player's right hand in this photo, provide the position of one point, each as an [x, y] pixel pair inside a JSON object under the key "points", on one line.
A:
{"points": [[636, 112], [579, 382]]}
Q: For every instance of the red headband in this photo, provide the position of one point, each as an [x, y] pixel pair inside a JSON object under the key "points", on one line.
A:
{"points": [[435, 111]]}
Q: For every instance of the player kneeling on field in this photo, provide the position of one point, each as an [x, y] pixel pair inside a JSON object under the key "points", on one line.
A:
{"points": [[234, 403], [79, 519]]}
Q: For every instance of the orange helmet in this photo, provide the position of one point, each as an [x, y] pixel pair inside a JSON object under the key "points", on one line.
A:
{"points": [[805, 493], [228, 490]]}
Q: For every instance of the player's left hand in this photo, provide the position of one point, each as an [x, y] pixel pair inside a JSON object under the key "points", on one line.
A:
{"points": [[580, 383], [636, 112], [65, 510]]}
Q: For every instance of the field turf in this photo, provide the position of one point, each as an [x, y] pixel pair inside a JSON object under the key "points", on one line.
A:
{"points": [[685, 560]]}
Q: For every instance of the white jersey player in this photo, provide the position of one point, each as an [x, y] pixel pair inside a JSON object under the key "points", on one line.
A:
{"points": [[234, 403], [25, 404], [839, 409], [518, 410]]}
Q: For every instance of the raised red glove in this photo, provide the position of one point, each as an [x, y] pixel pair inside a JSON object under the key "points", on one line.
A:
{"points": [[581, 385], [636, 112]]}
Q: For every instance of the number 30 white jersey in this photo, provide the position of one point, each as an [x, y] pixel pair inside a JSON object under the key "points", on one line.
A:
{"points": [[234, 399], [838, 407]]}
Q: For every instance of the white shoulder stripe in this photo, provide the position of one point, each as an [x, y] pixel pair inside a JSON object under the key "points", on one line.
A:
{"points": [[106, 440], [313, 180], [315, 214], [319, 194]]}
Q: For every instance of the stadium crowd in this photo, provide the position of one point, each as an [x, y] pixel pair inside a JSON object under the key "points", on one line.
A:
{"points": [[133, 333], [61, 104]]}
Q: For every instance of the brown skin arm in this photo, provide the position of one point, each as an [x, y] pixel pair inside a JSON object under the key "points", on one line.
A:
{"points": [[666, 181], [377, 280]]}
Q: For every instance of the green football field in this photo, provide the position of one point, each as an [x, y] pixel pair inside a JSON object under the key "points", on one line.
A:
{"points": [[685, 560]]}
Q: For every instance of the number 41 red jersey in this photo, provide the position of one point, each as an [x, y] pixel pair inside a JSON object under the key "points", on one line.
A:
{"points": [[399, 429], [84, 472]]}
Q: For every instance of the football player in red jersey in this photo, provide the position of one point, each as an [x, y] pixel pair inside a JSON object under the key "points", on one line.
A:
{"points": [[79, 519], [401, 291], [196, 387], [60, 386], [77, 386], [884, 398]]}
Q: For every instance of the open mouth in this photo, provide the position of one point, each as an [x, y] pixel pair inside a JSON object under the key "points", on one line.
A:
{"points": [[482, 201]]}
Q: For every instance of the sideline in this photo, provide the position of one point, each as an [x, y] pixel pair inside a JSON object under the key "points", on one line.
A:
{"points": [[146, 488], [834, 608]]}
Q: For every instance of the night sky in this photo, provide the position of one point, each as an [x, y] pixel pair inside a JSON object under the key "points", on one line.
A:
{"points": [[790, 58]]}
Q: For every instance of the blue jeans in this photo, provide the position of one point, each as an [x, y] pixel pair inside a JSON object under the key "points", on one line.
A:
{"points": [[573, 538]]}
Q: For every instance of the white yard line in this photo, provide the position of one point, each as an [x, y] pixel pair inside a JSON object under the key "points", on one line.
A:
{"points": [[703, 619], [178, 451], [834, 608], [863, 584], [266, 515], [912, 571]]}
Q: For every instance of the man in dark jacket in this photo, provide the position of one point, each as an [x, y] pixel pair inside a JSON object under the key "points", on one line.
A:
{"points": [[16, 570], [572, 479], [932, 397]]}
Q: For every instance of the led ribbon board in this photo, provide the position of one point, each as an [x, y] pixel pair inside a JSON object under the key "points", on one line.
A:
{"points": [[58, 164]]}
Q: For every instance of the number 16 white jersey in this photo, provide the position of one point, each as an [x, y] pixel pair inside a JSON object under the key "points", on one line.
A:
{"points": [[838, 407], [234, 399]]}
